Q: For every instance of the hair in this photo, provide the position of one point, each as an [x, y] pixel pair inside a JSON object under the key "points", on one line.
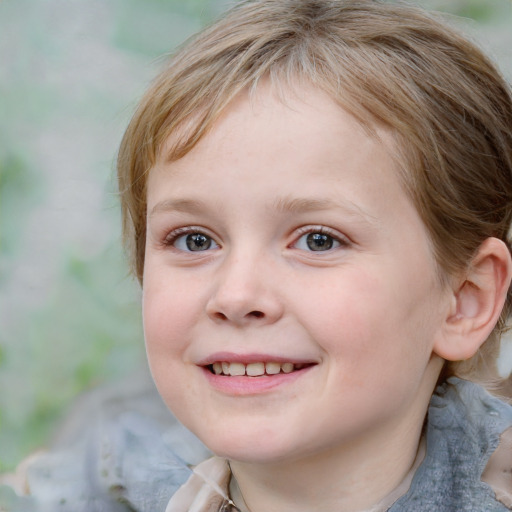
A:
{"points": [[447, 105]]}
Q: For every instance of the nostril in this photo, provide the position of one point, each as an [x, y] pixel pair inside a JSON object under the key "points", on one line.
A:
{"points": [[236, 316]]}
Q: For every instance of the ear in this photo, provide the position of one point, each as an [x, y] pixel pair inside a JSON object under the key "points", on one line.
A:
{"points": [[477, 300]]}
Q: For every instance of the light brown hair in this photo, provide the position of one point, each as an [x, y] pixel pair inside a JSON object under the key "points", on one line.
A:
{"points": [[446, 103]]}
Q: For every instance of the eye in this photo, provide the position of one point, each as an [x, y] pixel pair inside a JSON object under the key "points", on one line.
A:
{"points": [[192, 242], [317, 241]]}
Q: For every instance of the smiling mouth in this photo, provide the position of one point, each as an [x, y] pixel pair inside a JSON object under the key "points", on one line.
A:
{"points": [[259, 369]]}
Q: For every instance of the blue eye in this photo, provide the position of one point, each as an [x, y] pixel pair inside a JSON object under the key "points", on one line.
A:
{"points": [[194, 242], [317, 241]]}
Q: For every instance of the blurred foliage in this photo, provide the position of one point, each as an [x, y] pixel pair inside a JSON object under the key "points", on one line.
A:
{"points": [[474, 9], [70, 74], [147, 26], [85, 334], [18, 184]]}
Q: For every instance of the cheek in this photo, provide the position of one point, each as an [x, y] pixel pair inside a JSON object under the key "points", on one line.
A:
{"points": [[366, 320], [158, 317], [168, 316], [169, 308], [346, 313]]}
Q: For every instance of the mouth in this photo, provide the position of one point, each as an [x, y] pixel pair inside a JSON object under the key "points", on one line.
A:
{"points": [[255, 369]]}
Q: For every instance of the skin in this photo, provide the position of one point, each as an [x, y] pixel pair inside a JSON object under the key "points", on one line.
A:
{"points": [[367, 313]]}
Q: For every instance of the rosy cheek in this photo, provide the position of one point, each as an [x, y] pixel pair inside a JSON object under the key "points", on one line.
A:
{"points": [[345, 308], [168, 317], [157, 319]]}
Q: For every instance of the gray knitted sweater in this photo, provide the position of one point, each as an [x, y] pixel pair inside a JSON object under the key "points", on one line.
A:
{"points": [[134, 458]]}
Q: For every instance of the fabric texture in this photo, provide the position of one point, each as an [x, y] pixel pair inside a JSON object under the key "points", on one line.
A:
{"points": [[208, 488], [120, 450], [134, 456], [462, 432]]}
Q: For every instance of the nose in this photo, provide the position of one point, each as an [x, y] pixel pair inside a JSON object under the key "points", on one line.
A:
{"points": [[246, 292]]}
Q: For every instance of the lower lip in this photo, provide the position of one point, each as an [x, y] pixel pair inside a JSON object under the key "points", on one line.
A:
{"points": [[244, 385]]}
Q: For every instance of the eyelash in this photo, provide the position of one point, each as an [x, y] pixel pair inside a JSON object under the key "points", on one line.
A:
{"points": [[322, 230], [171, 239], [340, 241]]}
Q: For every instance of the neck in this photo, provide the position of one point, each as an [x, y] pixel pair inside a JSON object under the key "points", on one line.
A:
{"points": [[314, 484], [353, 476]]}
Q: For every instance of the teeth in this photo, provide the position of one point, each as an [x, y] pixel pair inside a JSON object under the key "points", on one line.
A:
{"points": [[236, 369], [273, 368], [253, 369], [287, 367]]}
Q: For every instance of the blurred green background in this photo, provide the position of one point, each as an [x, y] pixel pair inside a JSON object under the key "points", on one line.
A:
{"points": [[71, 72]]}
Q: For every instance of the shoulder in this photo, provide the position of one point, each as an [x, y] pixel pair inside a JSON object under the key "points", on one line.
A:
{"points": [[119, 450], [467, 431]]}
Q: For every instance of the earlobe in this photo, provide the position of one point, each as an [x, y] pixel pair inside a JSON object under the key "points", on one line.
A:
{"points": [[477, 300]]}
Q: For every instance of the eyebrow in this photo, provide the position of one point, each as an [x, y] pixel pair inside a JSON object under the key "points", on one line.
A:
{"points": [[281, 205], [303, 205], [178, 205]]}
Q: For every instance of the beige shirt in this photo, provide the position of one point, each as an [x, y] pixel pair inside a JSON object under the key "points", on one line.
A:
{"points": [[208, 489]]}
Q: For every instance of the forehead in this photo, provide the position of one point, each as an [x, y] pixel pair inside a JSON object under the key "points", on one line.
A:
{"points": [[271, 95], [274, 129]]}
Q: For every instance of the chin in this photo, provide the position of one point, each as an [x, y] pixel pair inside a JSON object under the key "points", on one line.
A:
{"points": [[249, 446], [250, 455]]}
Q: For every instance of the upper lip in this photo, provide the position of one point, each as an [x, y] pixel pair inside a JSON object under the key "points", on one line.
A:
{"points": [[231, 357]]}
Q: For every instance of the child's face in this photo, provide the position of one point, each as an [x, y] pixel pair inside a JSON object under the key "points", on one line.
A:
{"points": [[284, 236]]}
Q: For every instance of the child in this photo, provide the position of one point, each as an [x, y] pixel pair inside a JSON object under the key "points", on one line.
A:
{"points": [[317, 196]]}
